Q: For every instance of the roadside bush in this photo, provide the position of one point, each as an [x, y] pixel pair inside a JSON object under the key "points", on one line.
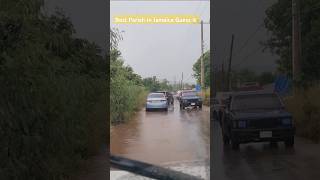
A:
{"points": [[125, 99], [127, 92], [52, 89], [44, 126], [305, 107]]}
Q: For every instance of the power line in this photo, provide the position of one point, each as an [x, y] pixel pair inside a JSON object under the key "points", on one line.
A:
{"points": [[191, 75], [305, 12], [248, 55], [249, 38]]}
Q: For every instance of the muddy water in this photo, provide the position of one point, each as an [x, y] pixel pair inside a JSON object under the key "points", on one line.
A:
{"points": [[164, 137]]}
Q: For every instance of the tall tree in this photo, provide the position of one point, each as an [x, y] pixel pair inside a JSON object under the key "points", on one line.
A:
{"points": [[279, 23]]}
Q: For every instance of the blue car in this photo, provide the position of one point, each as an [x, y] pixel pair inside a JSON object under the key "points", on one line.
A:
{"points": [[156, 101]]}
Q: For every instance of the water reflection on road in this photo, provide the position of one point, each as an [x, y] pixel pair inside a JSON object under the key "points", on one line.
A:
{"points": [[164, 137]]}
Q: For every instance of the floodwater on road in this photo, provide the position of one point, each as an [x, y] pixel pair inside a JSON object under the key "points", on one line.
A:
{"points": [[265, 161], [164, 137]]}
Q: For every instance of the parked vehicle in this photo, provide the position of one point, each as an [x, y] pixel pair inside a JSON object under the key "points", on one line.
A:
{"points": [[156, 101], [190, 98], [168, 95], [170, 98], [180, 93], [256, 117]]}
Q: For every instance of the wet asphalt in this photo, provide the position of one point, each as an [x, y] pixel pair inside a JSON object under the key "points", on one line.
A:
{"points": [[176, 136], [264, 161]]}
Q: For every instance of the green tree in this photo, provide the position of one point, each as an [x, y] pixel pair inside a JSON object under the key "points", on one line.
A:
{"points": [[126, 87], [279, 24], [154, 84], [197, 69], [266, 78], [52, 84]]}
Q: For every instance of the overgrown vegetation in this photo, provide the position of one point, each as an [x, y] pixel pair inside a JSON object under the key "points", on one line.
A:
{"points": [[279, 23], [197, 74], [127, 91], [206, 97], [305, 107], [197, 69], [154, 84], [53, 92], [305, 103]]}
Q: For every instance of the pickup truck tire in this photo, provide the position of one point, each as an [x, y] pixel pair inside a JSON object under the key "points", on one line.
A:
{"points": [[289, 142]]}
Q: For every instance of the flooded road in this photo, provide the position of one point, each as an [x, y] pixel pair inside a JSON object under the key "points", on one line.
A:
{"points": [[264, 161], [163, 138]]}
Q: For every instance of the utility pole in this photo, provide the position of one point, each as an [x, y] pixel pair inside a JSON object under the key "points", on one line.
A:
{"points": [[174, 83], [202, 63], [229, 66], [296, 40], [182, 81]]}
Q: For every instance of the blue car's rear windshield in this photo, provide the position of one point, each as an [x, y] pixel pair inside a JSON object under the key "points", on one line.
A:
{"points": [[156, 95], [256, 101]]}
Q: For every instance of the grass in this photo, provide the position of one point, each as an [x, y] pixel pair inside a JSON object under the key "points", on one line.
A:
{"points": [[305, 108], [126, 99]]}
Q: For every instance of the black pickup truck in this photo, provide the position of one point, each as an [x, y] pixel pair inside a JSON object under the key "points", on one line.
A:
{"points": [[256, 117], [190, 98]]}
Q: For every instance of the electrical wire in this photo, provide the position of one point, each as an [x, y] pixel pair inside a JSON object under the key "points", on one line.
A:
{"points": [[244, 59], [257, 30], [248, 39]]}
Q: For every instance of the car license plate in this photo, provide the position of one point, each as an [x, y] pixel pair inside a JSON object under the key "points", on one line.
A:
{"points": [[192, 104], [265, 134]]}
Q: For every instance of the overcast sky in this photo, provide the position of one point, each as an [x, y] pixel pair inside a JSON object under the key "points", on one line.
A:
{"points": [[168, 50], [244, 19], [163, 50], [88, 17]]}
